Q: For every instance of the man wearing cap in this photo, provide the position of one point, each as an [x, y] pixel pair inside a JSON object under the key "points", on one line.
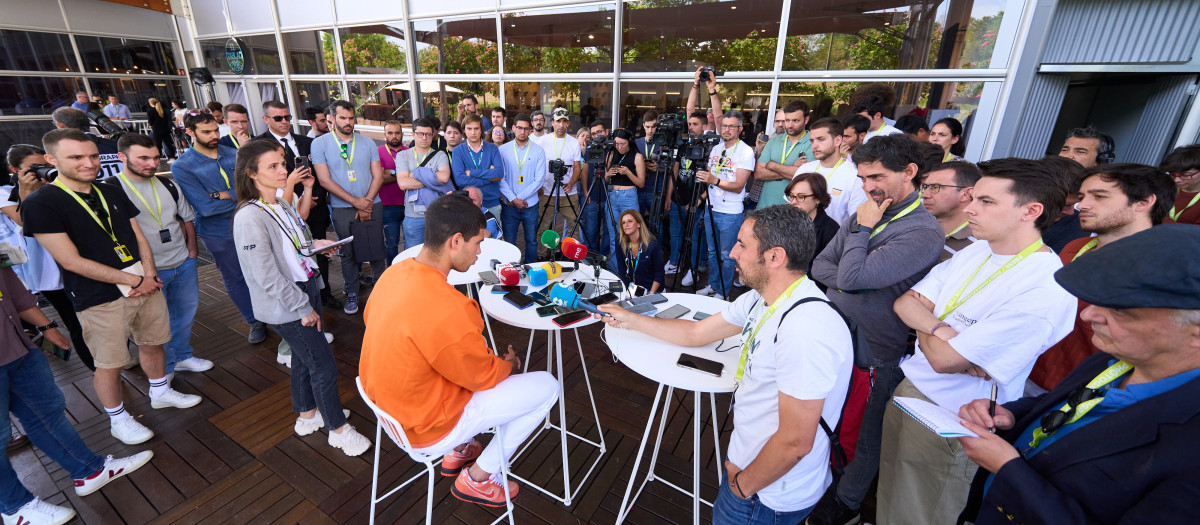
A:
{"points": [[559, 146], [1115, 441]]}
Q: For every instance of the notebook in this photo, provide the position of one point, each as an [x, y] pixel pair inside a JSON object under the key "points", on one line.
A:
{"points": [[937, 419]]}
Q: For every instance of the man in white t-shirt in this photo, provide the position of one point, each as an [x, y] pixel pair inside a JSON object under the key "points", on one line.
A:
{"points": [[729, 167], [559, 146], [841, 175], [984, 316], [872, 107], [797, 367]]}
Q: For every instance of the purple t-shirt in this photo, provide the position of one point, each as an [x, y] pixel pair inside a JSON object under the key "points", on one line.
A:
{"points": [[390, 194]]}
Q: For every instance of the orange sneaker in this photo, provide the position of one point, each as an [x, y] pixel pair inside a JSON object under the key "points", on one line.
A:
{"points": [[455, 461], [488, 493]]}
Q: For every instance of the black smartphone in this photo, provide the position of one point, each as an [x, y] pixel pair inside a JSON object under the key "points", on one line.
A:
{"points": [[616, 287], [603, 299], [550, 310], [540, 297], [674, 312], [51, 348], [700, 316], [642, 308], [638, 291], [650, 299], [489, 277], [570, 318], [519, 300], [700, 364], [584, 289], [508, 289], [304, 162]]}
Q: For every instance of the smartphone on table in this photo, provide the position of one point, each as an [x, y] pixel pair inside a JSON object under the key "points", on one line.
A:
{"points": [[507, 289], [489, 277], [700, 364], [550, 310], [570, 318], [519, 300], [674, 312], [540, 297]]}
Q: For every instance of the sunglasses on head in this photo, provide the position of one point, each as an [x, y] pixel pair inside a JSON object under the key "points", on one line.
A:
{"points": [[282, 118]]}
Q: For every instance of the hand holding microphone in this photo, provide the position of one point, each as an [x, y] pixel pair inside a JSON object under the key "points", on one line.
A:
{"points": [[567, 297]]}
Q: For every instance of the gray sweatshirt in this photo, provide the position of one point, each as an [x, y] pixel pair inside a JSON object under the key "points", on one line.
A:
{"points": [[263, 256], [866, 275]]}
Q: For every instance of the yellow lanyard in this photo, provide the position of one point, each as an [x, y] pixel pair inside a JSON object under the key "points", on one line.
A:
{"points": [[88, 209], [521, 163], [649, 149], [958, 229], [902, 213], [833, 170], [158, 203], [559, 147], [418, 160], [1086, 248], [1176, 215], [955, 300], [223, 175], [350, 157], [1110, 374], [788, 151], [234, 141], [748, 342], [291, 234]]}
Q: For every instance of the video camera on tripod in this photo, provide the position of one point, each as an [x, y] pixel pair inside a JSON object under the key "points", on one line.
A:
{"points": [[693, 157], [597, 149]]}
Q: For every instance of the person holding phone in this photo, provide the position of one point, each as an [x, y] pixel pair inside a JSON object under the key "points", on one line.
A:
{"points": [[625, 172], [640, 257], [793, 372], [274, 246]]}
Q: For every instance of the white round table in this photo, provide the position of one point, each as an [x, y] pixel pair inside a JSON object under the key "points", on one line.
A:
{"points": [[489, 249], [656, 359], [493, 304]]}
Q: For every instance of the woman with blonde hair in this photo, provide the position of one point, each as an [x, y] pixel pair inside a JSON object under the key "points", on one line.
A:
{"points": [[639, 256], [160, 126]]}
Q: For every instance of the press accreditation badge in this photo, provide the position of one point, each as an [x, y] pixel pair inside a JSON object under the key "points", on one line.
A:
{"points": [[123, 253], [350, 176], [164, 236]]}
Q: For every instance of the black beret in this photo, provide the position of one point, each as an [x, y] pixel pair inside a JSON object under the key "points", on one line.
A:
{"points": [[1155, 268]]}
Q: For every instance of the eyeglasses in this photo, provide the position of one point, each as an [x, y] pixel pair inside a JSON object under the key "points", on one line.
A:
{"points": [[422, 134], [798, 197], [1053, 421], [279, 118], [521, 128], [934, 189], [730, 126], [1185, 174], [539, 119]]}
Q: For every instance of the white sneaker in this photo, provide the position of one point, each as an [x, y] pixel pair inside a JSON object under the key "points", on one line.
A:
{"points": [[687, 279], [38, 512], [328, 338], [349, 440], [174, 398], [707, 290], [113, 469], [130, 432], [719, 296], [193, 364], [305, 427], [671, 268], [284, 359]]}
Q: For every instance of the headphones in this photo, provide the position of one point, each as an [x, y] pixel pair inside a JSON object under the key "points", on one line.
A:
{"points": [[1105, 154]]}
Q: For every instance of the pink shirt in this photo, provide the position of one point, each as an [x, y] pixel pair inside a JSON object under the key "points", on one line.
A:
{"points": [[390, 194]]}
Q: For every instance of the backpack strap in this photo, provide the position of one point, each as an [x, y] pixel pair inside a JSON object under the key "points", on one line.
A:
{"points": [[170, 185]]}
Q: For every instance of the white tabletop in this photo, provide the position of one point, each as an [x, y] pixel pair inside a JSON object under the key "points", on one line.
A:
{"points": [[505, 312], [657, 360], [489, 249]]}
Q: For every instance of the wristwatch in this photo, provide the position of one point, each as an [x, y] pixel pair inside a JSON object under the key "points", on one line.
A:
{"points": [[858, 228], [53, 324]]}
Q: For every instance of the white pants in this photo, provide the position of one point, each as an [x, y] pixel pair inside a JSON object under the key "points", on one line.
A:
{"points": [[515, 408]]}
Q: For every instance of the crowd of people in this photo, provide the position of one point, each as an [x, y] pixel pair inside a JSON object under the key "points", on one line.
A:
{"points": [[864, 258]]}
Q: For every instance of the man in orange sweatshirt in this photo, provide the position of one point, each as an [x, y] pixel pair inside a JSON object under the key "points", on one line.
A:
{"points": [[425, 361]]}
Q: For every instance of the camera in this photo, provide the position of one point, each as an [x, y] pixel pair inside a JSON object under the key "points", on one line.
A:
{"points": [[596, 150], [707, 73], [45, 172], [558, 168], [670, 126], [694, 157], [105, 124]]}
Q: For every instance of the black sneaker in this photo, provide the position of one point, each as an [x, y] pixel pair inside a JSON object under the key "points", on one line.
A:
{"points": [[258, 333], [365, 280], [329, 301], [830, 511]]}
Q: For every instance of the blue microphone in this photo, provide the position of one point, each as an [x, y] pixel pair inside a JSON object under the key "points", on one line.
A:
{"points": [[567, 297]]}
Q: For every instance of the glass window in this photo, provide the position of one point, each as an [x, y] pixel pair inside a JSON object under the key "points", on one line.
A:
{"points": [[735, 35], [672, 97], [36, 95], [311, 52], [316, 94], [457, 46], [440, 99], [30, 51], [24, 131], [247, 55], [375, 49], [587, 102], [379, 101], [955, 34], [125, 55], [570, 40], [134, 92]]}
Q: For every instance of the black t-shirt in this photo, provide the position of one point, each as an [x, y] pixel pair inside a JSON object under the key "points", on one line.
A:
{"points": [[629, 160], [52, 210]]}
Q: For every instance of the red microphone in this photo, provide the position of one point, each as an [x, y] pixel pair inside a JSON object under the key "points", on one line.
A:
{"points": [[509, 275], [573, 249]]}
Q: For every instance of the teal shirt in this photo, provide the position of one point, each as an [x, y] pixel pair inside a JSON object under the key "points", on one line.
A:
{"points": [[772, 190]]}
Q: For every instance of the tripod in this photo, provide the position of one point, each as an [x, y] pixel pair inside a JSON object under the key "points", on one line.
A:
{"points": [[696, 200], [555, 189], [664, 159]]}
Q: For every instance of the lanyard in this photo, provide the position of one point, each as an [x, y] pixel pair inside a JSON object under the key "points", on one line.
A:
{"points": [[749, 341], [788, 151], [559, 146], [1110, 374], [637, 259], [475, 159], [521, 161], [350, 158], [879, 229], [291, 233], [223, 175], [958, 229], [416, 160], [158, 203], [1176, 215], [90, 211], [649, 149], [832, 170], [1086, 248], [949, 156], [955, 300], [234, 141]]}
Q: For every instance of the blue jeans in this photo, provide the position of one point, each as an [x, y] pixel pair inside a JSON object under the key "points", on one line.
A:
{"points": [[618, 202], [224, 254], [181, 289], [27, 390], [699, 242], [514, 218], [856, 481], [727, 226], [414, 232], [314, 370], [732, 510], [393, 217], [645, 202], [593, 235]]}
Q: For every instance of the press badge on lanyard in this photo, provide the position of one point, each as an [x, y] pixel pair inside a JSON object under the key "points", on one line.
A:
{"points": [[122, 251]]}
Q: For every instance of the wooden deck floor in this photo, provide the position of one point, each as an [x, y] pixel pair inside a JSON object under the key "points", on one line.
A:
{"points": [[235, 459]]}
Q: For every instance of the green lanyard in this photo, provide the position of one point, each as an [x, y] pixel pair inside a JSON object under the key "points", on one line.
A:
{"points": [[1110, 374], [223, 175], [92, 213], [832, 170], [879, 229], [948, 157], [788, 151], [958, 229], [1086, 248], [749, 341], [955, 300], [1176, 215], [157, 217]]}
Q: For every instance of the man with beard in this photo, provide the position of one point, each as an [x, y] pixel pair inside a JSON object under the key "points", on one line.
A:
{"points": [[1116, 201], [205, 174], [538, 119], [390, 193], [783, 154], [841, 176], [319, 122], [469, 105], [854, 129], [729, 166]]}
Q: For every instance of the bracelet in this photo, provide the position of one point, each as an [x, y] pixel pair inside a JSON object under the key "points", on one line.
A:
{"points": [[936, 326], [712, 93], [738, 486], [695, 86], [141, 278]]}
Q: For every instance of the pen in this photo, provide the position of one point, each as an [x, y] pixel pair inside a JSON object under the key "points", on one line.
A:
{"points": [[992, 406]]}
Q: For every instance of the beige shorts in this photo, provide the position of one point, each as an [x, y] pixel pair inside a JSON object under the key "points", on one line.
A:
{"points": [[106, 327]]}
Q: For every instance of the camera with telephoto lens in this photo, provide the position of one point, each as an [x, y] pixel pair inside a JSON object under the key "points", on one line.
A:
{"points": [[44, 172], [597, 148], [707, 72], [558, 168], [105, 124]]}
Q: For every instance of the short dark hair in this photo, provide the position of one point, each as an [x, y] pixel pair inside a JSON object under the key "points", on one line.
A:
{"points": [[650, 116], [451, 214], [829, 123], [796, 105], [50, 140], [455, 124], [213, 106], [191, 121], [860, 123], [273, 104], [1071, 171], [130, 140], [700, 114], [522, 117], [310, 113], [1139, 182], [71, 118], [1104, 144], [816, 181], [393, 122], [911, 124], [237, 108], [931, 155], [500, 110], [537, 113], [471, 97], [785, 227], [344, 104], [965, 173], [1032, 181], [424, 122], [871, 104], [603, 125], [1182, 159], [894, 152]]}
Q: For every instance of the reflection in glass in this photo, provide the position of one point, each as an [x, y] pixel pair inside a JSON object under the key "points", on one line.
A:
{"points": [[379, 101], [32, 51], [23, 131], [672, 97], [316, 94], [311, 52], [125, 55], [374, 49], [737, 35], [570, 40], [36, 95], [457, 46], [587, 102], [134, 92], [256, 55]]}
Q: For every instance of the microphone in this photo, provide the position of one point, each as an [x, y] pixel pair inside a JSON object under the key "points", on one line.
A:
{"points": [[550, 240], [567, 297], [509, 275], [553, 270], [538, 277], [573, 249]]}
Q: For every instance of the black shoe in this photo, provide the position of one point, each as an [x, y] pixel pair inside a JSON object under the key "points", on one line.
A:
{"points": [[365, 280], [830, 511], [258, 333], [329, 301]]}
